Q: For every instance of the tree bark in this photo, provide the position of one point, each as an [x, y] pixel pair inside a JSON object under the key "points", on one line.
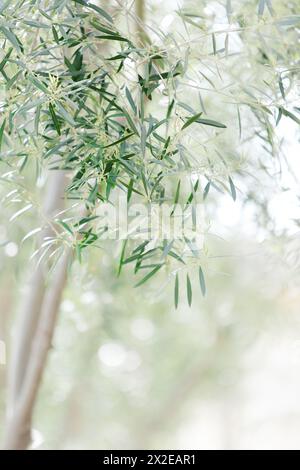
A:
{"points": [[18, 433], [34, 308]]}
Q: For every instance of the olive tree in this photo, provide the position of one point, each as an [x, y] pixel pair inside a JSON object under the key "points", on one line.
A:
{"points": [[108, 117]]}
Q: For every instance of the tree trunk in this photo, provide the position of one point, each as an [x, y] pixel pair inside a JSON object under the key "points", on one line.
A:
{"points": [[37, 316], [19, 425]]}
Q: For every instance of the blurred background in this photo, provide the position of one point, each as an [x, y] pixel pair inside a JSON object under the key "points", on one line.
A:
{"points": [[128, 371]]}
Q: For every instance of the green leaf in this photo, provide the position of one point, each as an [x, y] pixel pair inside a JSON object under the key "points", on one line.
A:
{"points": [[191, 120], [125, 137], [232, 189], [64, 114], [206, 191], [202, 281], [167, 248], [65, 226], [101, 12], [177, 192], [12, 38], [145, 182], [36, 24], [95, 8], [113, 37], [176, 291], [12, 81], [93, 194], [189, 291], [37, 119], [214, 43], [210, 122], [170, 108], [292, 116], [38, 84], [85, 220], [129, 189], [131, 101], [279, 116], [3, 62], [130, 122], [155, 185], [206, 122], [281, 87], [55, 35], [122, 257], [54, 118], [240, 122], [176, 256], [191, 196], [29, 104], [1, 133], [103, 29], [149, 275]]}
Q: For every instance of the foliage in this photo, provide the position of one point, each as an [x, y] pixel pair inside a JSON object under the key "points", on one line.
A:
{"points": [[124, 116]]}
